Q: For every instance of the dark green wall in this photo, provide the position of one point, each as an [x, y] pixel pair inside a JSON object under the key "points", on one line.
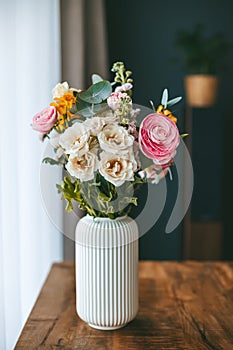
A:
{"points": [[142, 34]]}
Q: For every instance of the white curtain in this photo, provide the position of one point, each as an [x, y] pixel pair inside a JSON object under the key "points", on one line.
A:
{"points": [[29, 242]]}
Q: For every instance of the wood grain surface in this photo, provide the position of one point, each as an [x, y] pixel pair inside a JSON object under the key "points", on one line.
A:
{"points": [[187, 305]]}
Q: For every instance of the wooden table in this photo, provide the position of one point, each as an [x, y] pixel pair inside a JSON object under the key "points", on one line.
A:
{"points": [[187, 305]]}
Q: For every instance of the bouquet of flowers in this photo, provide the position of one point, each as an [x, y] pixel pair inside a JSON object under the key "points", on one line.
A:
{"points": [[105, 152]]}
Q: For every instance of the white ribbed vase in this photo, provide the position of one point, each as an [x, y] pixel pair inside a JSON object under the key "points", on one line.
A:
{"points": [[107, 271]]}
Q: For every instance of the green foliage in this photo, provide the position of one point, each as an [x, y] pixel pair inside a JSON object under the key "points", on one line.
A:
{"points": [[99, 197], [173, 101], [165, 102], [202, 54], [96, 93], [51, 161], [164, 98], [96, 78]]}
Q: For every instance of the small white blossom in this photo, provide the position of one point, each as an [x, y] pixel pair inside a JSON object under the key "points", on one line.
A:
{"points": [[124, 87], [60, 89]]}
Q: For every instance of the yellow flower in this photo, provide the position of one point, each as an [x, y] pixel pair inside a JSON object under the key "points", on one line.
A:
{"points": [[69, 98], [60, 107], [166, 112], [64, 103]]}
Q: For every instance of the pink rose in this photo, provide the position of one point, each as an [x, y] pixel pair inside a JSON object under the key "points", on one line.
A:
{"points": [[124, 87], [114, 99], [45, 120], [158, 138]]}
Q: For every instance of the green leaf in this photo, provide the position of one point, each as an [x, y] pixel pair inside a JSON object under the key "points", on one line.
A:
{"points": [[51, 161], [164, 98], [104, 197], [152, 105], [183, 135], [96, 93], [96, 78], [131, 200], [174, 101], [90, 111]]}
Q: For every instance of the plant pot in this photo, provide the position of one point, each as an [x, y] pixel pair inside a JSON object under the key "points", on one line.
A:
{"points": [[201, 90], [106, 271]]}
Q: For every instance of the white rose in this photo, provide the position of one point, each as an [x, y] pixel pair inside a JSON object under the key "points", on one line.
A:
{"points": [[115, 139], [95, 125], [60, 89], [82, 167], [117, 168], [109, 117], [75, 139]]}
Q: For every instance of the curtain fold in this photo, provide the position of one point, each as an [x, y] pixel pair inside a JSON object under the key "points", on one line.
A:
{"points": [[84, 51], [29, 242], [83, 41]]}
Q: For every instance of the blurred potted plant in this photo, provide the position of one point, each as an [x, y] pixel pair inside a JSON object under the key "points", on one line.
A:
{"points": [[203, 58]]}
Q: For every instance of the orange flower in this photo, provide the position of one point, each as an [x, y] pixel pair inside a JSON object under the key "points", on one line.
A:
{"points": [[166, 112], [60, 106], [64, 103], [69, 98]]}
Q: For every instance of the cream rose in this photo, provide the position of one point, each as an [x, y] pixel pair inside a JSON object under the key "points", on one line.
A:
{"points": [[115, 139], [60, 89], [75, 140], [83, 167], [117, 168], [95, 125]]}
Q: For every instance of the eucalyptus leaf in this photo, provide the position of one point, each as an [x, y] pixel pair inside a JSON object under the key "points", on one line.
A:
{"points": [[164, 98], [174, 101], [96, 93], [90, 111], [80, 105], [96, 78]]}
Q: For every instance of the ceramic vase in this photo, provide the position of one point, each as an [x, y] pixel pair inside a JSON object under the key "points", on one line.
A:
{"points": [[106, 255]]}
